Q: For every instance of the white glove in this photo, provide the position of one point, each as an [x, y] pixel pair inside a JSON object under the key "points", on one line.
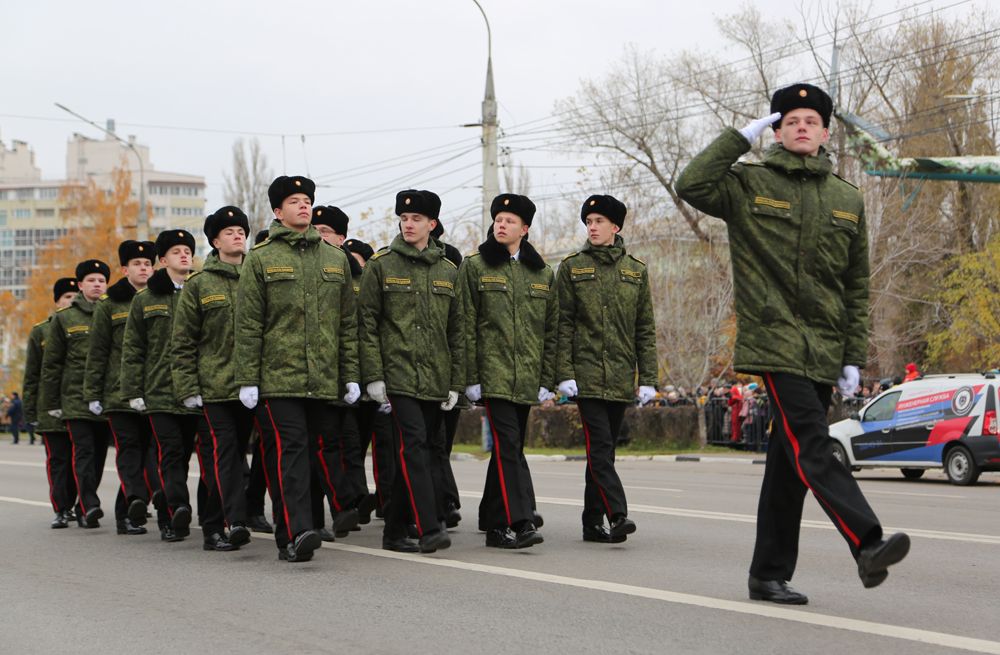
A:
{"points": [[385, 409], [248, 396], [448, 404], [55, 413], [756, 127], [474, 392], [95, 407], [848, 382], [192, 402], [377, 391], [544, 394], [353, 393], [646, 394], [568, 388], [138, 404], [33, 424]]}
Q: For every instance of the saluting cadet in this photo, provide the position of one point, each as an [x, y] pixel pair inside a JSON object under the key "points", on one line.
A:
{"points": [[373, 425], [58, 448], [63, 368], [799, 246], [147, 382], [511, 322], [412, 356], [296, 350], [344, 449], [606, 334], [102, 390], [204, 375]]}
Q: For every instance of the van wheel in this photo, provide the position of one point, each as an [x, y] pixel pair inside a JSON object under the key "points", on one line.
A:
{"points": [[912, 474], [839, 454], [960, 467]]}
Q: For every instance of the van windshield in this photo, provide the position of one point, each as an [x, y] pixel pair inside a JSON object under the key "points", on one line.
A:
{"points": [[882, 409]]}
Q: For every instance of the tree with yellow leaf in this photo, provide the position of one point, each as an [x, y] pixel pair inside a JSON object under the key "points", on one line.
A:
{"points": [[971, 296], [96, 220]]}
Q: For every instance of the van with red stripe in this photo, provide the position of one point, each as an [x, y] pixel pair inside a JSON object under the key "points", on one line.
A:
{"points": [[936, 421]]}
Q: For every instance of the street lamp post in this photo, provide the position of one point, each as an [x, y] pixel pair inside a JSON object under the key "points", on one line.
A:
{"points": [[491, 176], [142, 220]]}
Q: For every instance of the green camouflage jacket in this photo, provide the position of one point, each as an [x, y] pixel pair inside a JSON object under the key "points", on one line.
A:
{"points": [[296, 318], [32, 386], [356, 271], [411, 333], [606, 325], [104, 360], [146, 347], [204, 331], [65, 361], [511, 321], [799, 247]]}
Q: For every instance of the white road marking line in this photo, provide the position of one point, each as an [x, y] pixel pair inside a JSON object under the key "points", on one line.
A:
{"points": [[653, 488], [909, 493], [750, 518], [755, 609]]}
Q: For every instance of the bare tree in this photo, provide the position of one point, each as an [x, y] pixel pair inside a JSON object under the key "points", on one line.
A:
{"points": [[247, 188]]}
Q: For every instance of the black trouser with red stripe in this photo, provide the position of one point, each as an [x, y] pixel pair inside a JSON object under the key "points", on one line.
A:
{"points": [[59, 470], [353, 456], [224, 433], [506, 495], [375, 429], [449, 425], [416, 490], [90, 450], [288, 428], [799, 459], [174, 435], [256, 482], [603, 494], [132, 435], [327, 456]]}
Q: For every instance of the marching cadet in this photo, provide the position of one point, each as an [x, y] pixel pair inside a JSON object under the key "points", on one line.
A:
{"points": [[102, 389], [372, 421], [412, 356], [606, 333], [257, 478], [444, 435], [296, 350], [511, 323], [344, 451], [58, 449], [63, 369], [204, 375], [147, 382], [799, 246]]}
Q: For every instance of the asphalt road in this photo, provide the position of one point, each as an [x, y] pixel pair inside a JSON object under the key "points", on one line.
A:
{"points": [[676, 586]]}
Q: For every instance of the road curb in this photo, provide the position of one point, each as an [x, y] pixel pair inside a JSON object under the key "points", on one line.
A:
{"points": [[464, 457]]}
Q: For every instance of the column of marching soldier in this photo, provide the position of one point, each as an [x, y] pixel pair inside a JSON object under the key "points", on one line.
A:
{"points": [[322, 347], [279, 343]]}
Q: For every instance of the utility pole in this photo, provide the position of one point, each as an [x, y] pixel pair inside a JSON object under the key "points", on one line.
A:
{"points": [[491, 172], [142, 220]]}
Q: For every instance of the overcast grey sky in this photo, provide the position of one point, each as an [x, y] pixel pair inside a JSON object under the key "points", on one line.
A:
{"points": [[293, 68]]}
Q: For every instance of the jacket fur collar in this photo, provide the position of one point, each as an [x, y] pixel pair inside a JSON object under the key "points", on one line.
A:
{"points": [[160, 283], [495, 253], [122, 290]]}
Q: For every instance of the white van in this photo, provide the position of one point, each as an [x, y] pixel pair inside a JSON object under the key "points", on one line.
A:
{"points": [[935, 421]]}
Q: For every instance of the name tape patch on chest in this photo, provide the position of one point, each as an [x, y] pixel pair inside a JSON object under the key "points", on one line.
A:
{"points": [[540, 287], [777, 204], [498, 280], [444, 283], [397, 280], [581, 271], [115, 317], [153, 308], [635, 274], [280, 269], [78, 328], [847, 217], [333, 270], [208, 299]]}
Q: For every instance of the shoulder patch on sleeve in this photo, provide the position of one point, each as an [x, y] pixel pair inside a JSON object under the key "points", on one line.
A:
{"points": [[846, 181], [753, 163], [475, 254], [637, 259], [62, 309], [572, 254], [103, 297], [143, 290], [379, 254], [42, 322], [450, 262], [262, 243], [191, 275]]}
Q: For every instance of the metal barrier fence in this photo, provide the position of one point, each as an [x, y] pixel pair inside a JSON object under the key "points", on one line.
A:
{"points": [[749, 429]]}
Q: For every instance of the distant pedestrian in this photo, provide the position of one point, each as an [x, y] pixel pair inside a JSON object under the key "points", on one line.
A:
{"points": [[911, 372], [16, 415]]}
